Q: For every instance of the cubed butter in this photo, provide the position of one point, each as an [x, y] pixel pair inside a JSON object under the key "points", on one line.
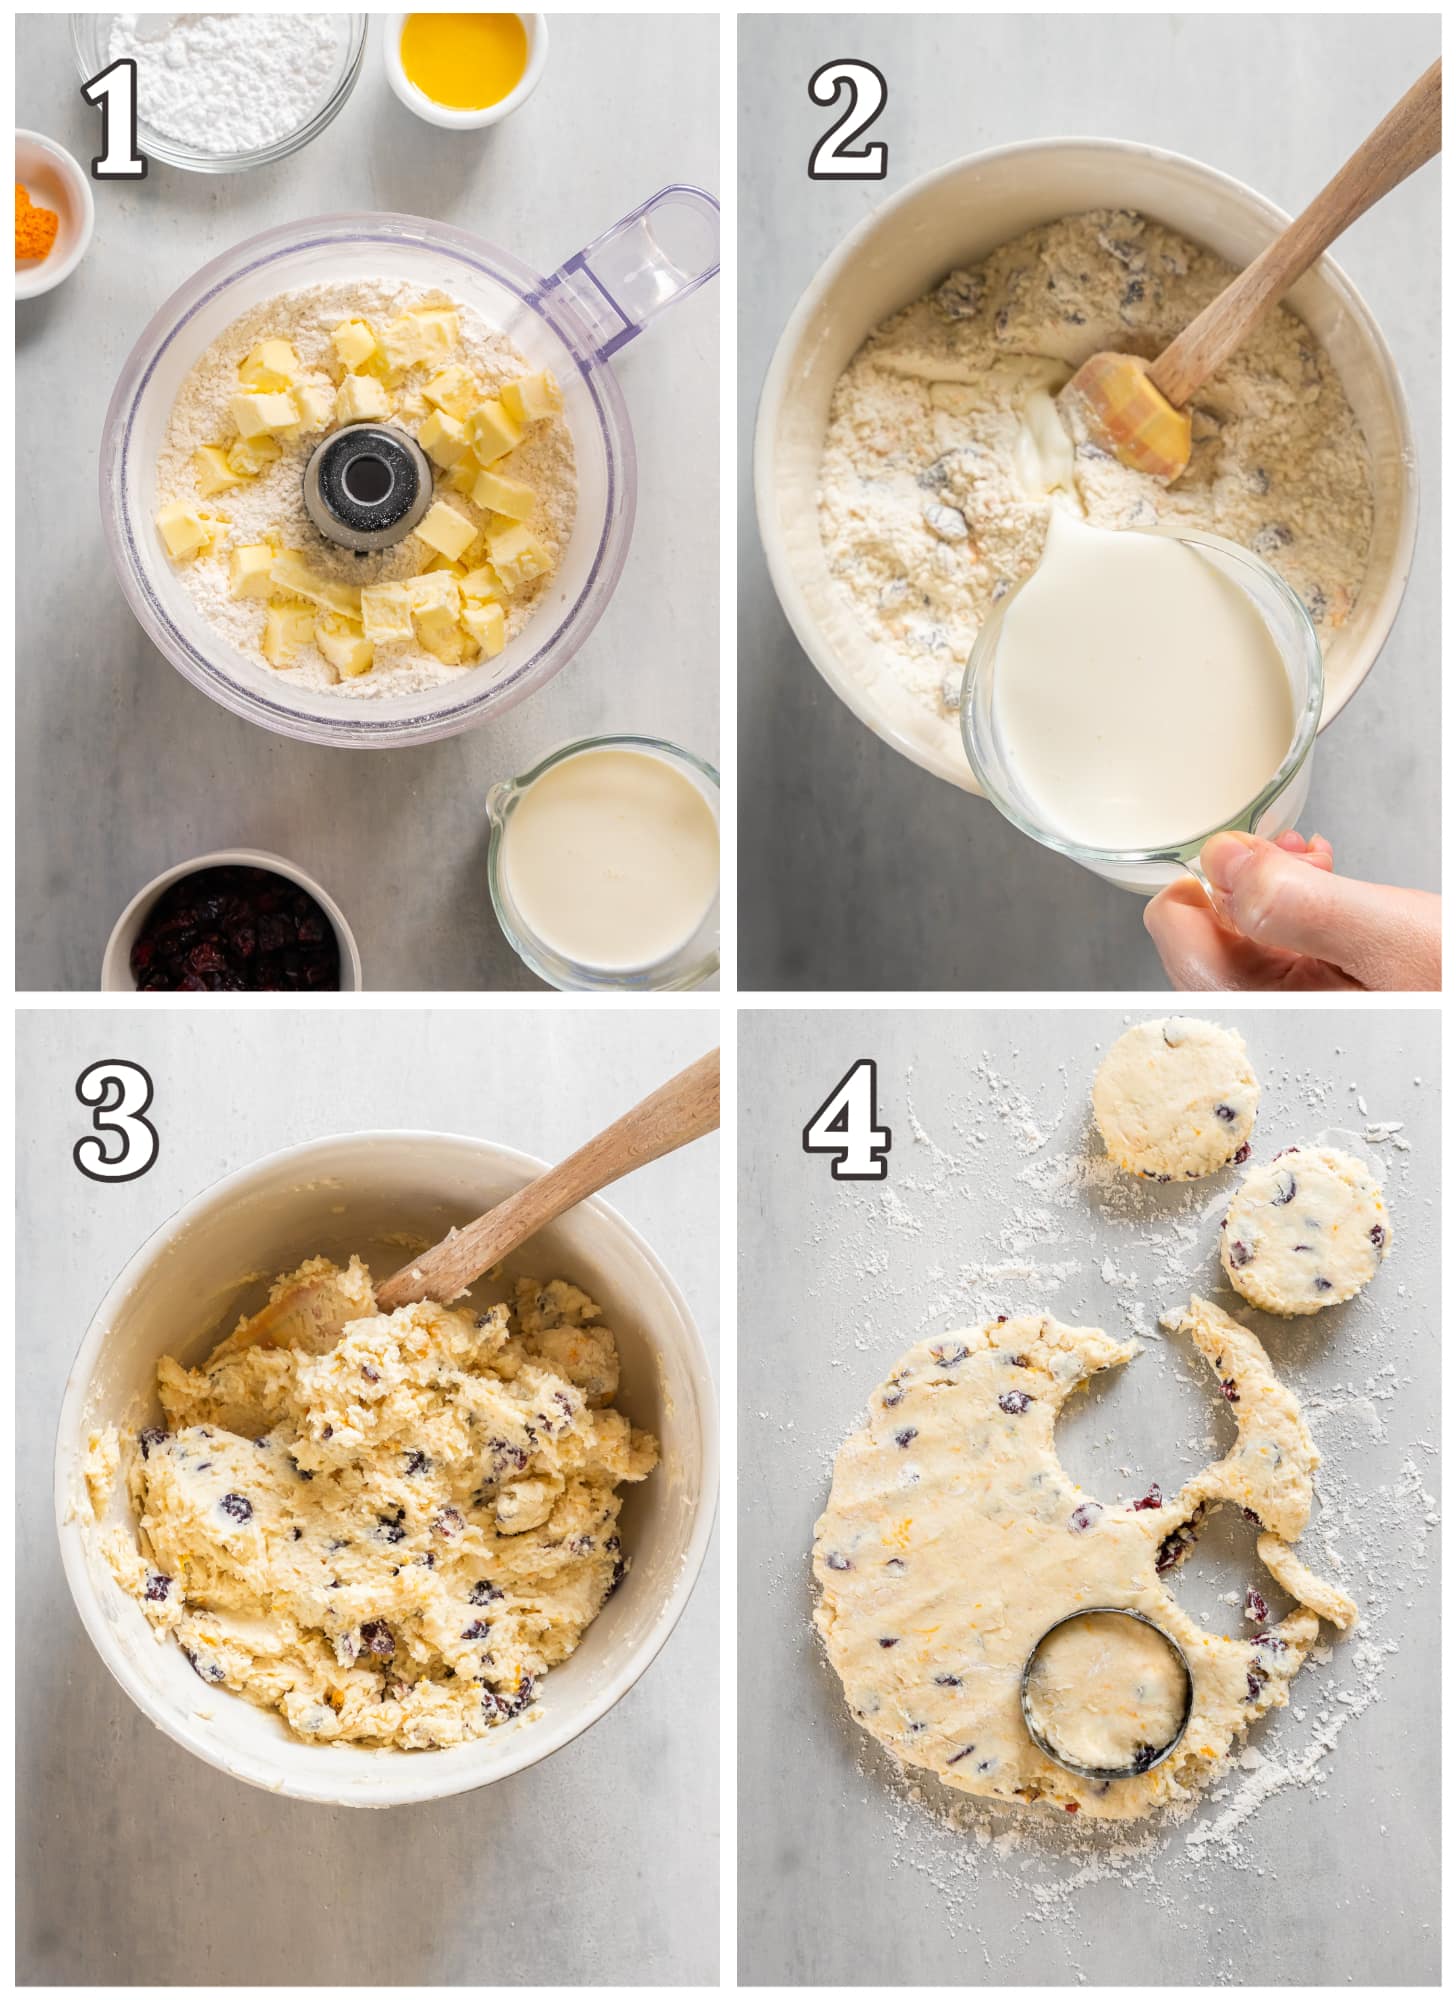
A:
{"points": [[271, 365], [463, 474], [256, 413], [248, 456], [516, 556], [445, 528], [434, 590], [385, 608], [286, 628], [486, 624], [482, 584], [315, 407], [494, 432], [344, 646], [354, 344], [251, 571], [532, 398], [425, 337], [443, 437], [214, 474], [184, 530], [360, 400], [292, 573], [453, 390], [500, 495]]}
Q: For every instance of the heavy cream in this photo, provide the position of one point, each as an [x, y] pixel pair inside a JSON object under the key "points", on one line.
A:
{"points": [[611, 858], [1139, 698]]}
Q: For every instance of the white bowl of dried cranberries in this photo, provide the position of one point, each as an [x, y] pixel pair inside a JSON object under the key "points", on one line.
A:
{"points": [[238, 921]]}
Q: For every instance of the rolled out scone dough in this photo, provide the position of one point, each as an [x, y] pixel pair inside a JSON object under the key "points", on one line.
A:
{"points": [[1307, 1230], [390, 1541], [953, 1540], [1176, 1099]]}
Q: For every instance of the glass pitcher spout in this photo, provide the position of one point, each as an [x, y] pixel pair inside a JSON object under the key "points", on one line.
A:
{"points": [[660, 253]]}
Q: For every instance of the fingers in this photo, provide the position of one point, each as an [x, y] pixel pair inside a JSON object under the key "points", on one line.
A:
{"points": [[1199, 955], [1380, 937]]}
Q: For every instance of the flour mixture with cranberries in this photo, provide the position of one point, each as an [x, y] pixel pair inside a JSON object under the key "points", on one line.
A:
{"points": [[393, 1540], [946, 453]]}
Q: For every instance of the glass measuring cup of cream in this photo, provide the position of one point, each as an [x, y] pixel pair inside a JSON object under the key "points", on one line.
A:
{"points": [[1140, 692], [604, 866]]}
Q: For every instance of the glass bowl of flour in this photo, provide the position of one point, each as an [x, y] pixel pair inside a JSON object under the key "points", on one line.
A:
{"points": [[219, 93]]}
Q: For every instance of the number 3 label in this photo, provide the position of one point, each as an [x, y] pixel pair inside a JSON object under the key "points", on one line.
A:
{"points": [[836, 158], [846, 1124], [117, 1093]]}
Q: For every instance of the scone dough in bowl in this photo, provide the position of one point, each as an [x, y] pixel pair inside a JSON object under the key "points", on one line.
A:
{"points": [[389, 1535], [953, 1540], [1307, 1230], [1176, 1099]]}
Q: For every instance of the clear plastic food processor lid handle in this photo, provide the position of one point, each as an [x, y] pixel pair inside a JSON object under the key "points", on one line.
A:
{"points": [[658, 254]]}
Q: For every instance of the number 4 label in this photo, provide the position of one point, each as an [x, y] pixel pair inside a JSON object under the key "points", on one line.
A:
{"points": [[846, 1124]]}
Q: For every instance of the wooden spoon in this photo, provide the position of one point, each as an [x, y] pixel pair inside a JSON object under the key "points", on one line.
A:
{"points": [[312, 1315], [1136, 407]]}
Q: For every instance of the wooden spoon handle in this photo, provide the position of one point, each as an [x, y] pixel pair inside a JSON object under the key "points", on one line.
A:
{"points": [[1400, 143], [684, 1109]]}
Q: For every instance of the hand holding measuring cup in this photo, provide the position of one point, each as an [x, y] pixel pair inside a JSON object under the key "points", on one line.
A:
{"points": [[1282, 920]]}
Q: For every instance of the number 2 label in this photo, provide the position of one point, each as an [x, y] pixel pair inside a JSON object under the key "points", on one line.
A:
{"points": [[117, 1095], [836, 158], [847, 1125]]}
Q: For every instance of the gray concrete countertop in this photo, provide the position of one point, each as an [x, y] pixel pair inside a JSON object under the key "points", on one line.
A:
{"points": [[857, 870], [125, 768], [140, 1865], [1000, 1199]]}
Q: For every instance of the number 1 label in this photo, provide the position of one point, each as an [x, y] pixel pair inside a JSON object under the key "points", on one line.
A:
{"points": [[115, 90], [847, 1126]]}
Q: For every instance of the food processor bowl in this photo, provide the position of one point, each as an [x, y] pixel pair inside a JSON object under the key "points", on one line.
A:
{"points": [[571, 322]]}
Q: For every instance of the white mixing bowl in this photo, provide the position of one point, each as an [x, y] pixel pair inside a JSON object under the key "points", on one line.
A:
{"points": [[188, 1284], [955, 216]]}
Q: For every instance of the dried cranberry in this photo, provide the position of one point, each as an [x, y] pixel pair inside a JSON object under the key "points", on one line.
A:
{"points": [[377, 1638], [415, 1461], [1255, 1607], [1152, 1498], [906, 1438], [1257, 1677], [1242, 1154], [836, 1561], [1083, 1517], [235, 1505], [150, 1438], [887, 1643], [234, 930], [476, 1629], [1377, 1235], [1015, 1402], [482, 1592], [1239, 1255], [1226, 1112], [1285, 1189], [1230, 1391], [157, 1587], [449, 1522]]}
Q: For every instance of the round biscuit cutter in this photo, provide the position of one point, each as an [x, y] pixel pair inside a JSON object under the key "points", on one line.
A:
{"points": [[1143, 1764]]}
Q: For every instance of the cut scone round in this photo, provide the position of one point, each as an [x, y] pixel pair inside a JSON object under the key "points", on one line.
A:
{"points": [[1308, 1229], [1176, 1099]]}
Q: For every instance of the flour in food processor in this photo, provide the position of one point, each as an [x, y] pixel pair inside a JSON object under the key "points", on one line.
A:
{"points": [[228, 83], [945, 453], [462, 584]]}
